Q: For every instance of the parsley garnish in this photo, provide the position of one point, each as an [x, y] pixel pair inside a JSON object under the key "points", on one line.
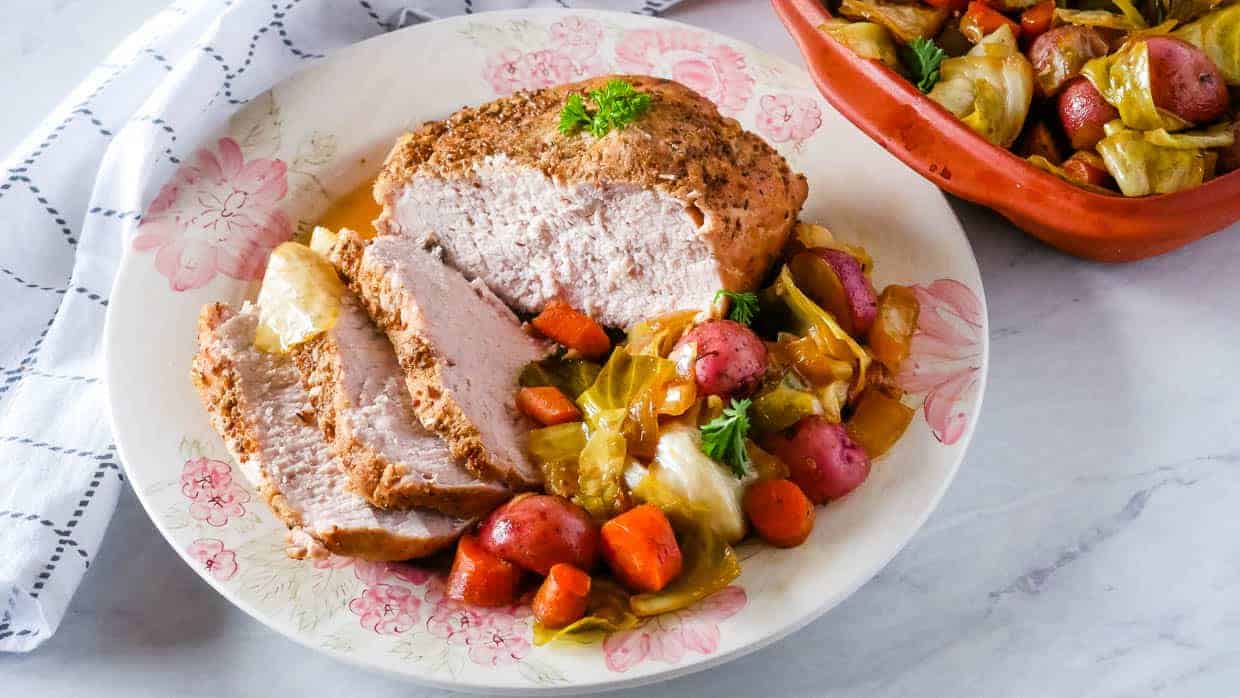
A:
{"points": [[923, 57], [723, 438], [744, 305], [616, 105]]}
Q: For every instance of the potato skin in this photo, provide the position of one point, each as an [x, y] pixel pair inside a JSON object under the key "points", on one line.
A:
{"points": [[860, 297], [1083, 113], [538, 531], [1059, 54], [822, 458], [730, 359], [1185, 81]]}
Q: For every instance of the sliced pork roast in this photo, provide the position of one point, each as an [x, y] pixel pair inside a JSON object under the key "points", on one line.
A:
{"points": [[261, 409], [461, 350], [365, 411], [649, 218]]}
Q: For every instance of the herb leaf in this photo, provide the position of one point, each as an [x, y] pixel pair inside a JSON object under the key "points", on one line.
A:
{"points": [[617, 105], [744, 305], [923, 57], [723, 438]]}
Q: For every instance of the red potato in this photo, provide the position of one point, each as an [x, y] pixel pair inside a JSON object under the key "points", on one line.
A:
{"points": [[822, 458], [1185, 81], [1059, 54], [1087, 166], [1084, 113], [538, 531], [835, 280], [729, 360]]}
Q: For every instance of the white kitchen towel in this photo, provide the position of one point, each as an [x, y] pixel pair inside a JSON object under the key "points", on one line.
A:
{"points": [[70, 197]]}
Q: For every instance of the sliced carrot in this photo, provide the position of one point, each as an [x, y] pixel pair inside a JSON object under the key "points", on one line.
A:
{"points": [[780, 512], [572, 328], [980, 19], [547, 405], [1037, 20], [561, 600], [481, 578], [641, 548]]}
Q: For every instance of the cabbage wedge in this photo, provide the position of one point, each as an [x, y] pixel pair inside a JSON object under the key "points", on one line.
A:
{"points": [[607, 611], [990, 88], [806, 318], [557, 449], [1123, 80], [1142, 168], [905, 21], [866, 39], [1218, 35]]}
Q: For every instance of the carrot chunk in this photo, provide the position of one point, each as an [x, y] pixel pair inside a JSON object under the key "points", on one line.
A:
{"points": [[1037, 20], [480, 578], [561, 600], [641, 548], [780, 512], [980, 19], [547, 405], [572, 328]]}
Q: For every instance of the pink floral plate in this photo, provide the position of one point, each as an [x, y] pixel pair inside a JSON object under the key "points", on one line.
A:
{"points": [[264, 176]]}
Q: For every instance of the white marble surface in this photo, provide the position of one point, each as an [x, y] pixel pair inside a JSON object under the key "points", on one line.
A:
{"points": [[1089, 547]]}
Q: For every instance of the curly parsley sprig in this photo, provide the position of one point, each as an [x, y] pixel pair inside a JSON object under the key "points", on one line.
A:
{"points": [[616, 105], [723, 438], [744, 306], [923, 57]]}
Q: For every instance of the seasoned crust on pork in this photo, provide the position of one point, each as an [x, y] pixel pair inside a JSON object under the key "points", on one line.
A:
{"points": [[651, 217]]}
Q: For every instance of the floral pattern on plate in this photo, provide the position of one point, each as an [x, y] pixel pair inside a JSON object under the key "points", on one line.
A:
{"points": [[271, 171], [945, 358]]}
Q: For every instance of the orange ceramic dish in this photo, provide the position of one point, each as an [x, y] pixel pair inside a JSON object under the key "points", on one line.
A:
{"points": [[932, 141]]}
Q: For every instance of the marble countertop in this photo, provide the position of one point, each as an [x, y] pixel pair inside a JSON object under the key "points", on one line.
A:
{"points": [[1089, 546]]}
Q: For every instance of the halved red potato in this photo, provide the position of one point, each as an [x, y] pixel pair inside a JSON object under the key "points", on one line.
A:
{"points": [[836, 281], [1084, 113]]}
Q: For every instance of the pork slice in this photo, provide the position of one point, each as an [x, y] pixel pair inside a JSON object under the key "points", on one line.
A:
{"points": [[653, 217], [461, 350], [259, 406], [366, 414]]}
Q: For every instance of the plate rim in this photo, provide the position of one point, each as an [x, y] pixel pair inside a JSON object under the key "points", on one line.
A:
{"points": [[617, 682]]}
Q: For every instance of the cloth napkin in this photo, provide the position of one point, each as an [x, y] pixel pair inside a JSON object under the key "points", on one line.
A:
{"points": [[71, 197]]}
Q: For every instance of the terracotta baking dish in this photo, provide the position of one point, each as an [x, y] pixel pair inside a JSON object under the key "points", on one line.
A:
{"points": [[945, 151]]}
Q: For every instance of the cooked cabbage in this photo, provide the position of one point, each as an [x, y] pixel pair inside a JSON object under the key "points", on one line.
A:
{"points": [[556, 450], [1097, 18], [571, 376], [990, 88], [1141, 167], [1043, 164], [1217, 136], [688, 484], [1123, 80], [1181, 10], [906, 21], [656, 336], [878, 422], [607, 611], [299, 298], [624, 379], [710, 564], [810, 320], [600, 473], [1218, 35], [866, 39], [781, 406]]}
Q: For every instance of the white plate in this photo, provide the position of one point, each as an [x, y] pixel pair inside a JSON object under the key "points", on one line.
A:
{"points": [[321, 133]]}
